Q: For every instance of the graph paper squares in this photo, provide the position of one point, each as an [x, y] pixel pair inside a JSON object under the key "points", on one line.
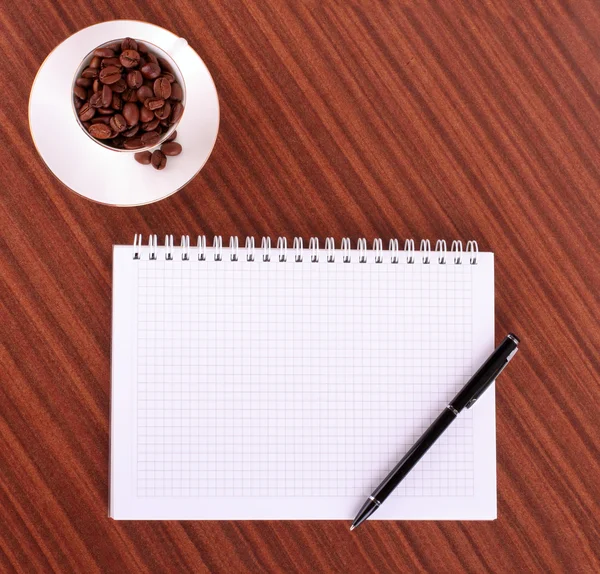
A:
{"points": [[299, 379]]}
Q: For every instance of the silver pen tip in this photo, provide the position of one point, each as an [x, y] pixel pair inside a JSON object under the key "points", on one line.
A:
{"points": [[352, 528]]}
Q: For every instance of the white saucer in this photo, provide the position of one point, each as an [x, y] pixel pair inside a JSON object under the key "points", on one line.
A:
{"points": [[106, 176]]}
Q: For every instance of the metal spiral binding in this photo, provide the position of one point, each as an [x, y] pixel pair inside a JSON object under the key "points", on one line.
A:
{"points": [[312, 253]]}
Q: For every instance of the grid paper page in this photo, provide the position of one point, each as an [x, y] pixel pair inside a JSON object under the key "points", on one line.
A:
{"points": [[290, 389]]}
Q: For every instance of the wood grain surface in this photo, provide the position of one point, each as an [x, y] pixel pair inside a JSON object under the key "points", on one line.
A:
{"points": [[457, 119]]}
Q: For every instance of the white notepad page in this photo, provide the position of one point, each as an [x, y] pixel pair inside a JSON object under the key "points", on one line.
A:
{"points": [[288, 390]]}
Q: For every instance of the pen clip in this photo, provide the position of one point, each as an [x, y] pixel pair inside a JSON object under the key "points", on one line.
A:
{"points": [[492, 379]]}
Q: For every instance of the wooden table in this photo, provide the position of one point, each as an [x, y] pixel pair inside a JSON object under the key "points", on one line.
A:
{"points": [[429, 120]]}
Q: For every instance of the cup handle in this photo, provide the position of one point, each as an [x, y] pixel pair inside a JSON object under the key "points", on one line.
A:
{"points": [[177, 47]]}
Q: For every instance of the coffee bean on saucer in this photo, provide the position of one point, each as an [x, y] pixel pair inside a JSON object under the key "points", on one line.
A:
{"points": [[162, 88], [143, 157], [151, 71], [80, 92], [110, 75], [118, 123], [100, 131], [176, 113], [104, 53], [133, 143], [87, 112], [131, 113], [164, 112], [158, 160], [129, 44], [171, 148], [151, 125], [176, 92], [129, 58]]}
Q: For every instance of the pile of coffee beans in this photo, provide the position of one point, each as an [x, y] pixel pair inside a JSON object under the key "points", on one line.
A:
{"points": [[127, 98], [158, 158]]}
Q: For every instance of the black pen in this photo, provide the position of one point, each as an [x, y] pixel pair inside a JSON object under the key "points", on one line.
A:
{"points": [[466, 397]]}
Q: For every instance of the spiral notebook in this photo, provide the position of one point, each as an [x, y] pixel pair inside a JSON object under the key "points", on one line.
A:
{"points": [[284, 382]]}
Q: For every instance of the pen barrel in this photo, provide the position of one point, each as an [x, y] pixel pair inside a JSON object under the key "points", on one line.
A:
{"points": [[486, 374], [414, 455]]}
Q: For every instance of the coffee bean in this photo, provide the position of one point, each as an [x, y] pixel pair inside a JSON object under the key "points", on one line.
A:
{"points": [[118, 123], [154, 103], [151, 71], [164, 112], [176, 92], [158, 160], [164, 123], [118, 141], [119, 86], [129, 44], [78, 103], [150, 138], [146, 115], [165, 65], [129, 95], [104, 53], [83, 82], [90, 73], [105, 111], [171, 137], [131, 113], [135, 79], [151, 125], [129, 58], [133, 143], [162, 88], [100, 131], [96, 100], [80, 92], [117, 102], [95, 63], [176, 113], [168, 76], [171, 148], [131, 131], [144, 93], [86, 125], [106, 96], [110, 75], [101, 120], [143, 157], [95, 85], [112, 62], [142, 48]]}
